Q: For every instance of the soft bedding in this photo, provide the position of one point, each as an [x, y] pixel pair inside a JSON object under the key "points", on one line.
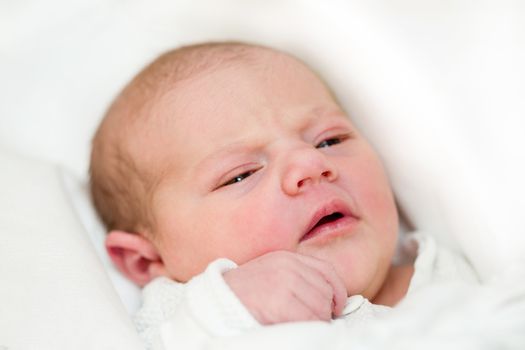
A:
{"points": [[437, 86], [54, 292], [450, 316]]}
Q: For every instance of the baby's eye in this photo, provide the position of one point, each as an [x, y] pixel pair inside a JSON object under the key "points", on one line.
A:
{"points": [[238, 178], [332, 141]]}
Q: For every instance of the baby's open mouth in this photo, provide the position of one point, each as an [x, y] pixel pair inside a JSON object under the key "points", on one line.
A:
{"points": [[328, 218], [333, 218]]}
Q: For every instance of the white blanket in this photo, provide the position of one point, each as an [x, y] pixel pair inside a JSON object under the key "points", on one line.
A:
{"points": [[436, 85]]}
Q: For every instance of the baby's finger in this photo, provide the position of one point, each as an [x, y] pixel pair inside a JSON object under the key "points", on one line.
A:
{"points": [[315, 293], [326, 269], [297, 310], [316, 280]]}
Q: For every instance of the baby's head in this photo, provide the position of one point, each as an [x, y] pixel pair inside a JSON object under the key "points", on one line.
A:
{"points": [[234, 150]]}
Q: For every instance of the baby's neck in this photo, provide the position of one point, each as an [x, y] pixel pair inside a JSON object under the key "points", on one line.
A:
{"points": [[395, 286]]}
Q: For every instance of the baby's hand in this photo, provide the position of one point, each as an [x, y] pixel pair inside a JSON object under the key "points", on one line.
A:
{"points": [[283, 286]]}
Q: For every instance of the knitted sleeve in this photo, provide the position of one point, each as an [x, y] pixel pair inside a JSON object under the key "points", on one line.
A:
{"points": [[202, 308]]}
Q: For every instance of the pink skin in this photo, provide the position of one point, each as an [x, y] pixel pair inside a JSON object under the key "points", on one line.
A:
{"points": [[269, 124]]}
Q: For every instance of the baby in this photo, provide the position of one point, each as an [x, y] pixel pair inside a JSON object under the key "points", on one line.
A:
{"points": [[231, 179]]}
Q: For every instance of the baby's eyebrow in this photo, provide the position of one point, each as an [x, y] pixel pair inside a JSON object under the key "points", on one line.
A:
{"points": [[325, 112], [247, 145], [231, 149]]}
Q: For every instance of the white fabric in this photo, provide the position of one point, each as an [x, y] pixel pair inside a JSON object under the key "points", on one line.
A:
{"points": [[448, 316], [203, 307], [54, 293], [194, 315], [436, 85], [78, 193]]}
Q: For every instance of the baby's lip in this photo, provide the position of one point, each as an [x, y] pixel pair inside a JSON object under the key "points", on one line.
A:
{"points": [[328, 208]]}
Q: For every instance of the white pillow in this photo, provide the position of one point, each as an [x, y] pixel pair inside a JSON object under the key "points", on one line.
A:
{"points": [[54, 292], [78, 193]]}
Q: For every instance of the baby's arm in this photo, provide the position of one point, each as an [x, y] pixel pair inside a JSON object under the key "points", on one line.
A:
{"points": [[284, 287]]}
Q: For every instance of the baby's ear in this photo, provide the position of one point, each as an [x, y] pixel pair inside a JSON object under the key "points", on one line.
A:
{"points": [[135, 256]]}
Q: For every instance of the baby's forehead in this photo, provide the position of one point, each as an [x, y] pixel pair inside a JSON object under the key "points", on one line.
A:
{"points": [[238, 94], [181, 108]]}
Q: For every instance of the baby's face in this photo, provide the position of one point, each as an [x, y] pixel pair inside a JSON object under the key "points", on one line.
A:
{"points": [[261, 158]]}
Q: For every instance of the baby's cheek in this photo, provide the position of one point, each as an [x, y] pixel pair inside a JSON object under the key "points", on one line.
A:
{"points": [[374, 194], [259, 231]]}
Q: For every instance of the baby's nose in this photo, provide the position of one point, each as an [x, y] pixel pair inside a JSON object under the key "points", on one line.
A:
{"points": [[304, 168]]}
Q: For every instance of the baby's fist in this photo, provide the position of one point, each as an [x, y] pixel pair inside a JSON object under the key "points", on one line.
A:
{"points": [[283, 286]]}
